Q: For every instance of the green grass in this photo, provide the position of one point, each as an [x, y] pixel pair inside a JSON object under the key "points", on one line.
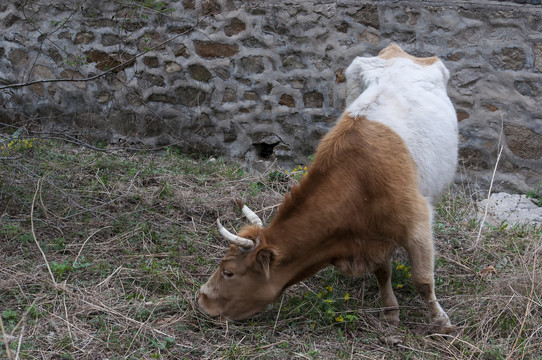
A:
{"points": [[130, 237], [536, 195]]}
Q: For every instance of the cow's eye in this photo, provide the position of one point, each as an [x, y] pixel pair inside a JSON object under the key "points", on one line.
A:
{"points": [[227, 274]]}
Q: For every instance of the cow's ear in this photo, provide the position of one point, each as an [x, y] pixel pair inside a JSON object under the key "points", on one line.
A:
{"points": [[265, 257]]}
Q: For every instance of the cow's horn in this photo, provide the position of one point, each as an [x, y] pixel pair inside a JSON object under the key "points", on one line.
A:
{"points": [[234, 239], [251, 215]]}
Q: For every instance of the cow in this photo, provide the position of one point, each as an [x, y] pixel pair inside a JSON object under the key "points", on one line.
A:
{"points": [[369, 190]]}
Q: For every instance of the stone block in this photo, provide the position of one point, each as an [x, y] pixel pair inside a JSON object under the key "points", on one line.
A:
{"points": [[253, 42], [83, 37], [104, 61], [147, 80], [189, 4], [172, 67], [182, 51], [55, 55], [103, 97], [153, 40], [509, 58], [492, 107], [19, 57], [165, 98], [234, 27], [253, 64], [538, 56], [199, 72], [71, 74], [230, 95], [369, 38], [292, 61], [38, 89], [339, 76], [368, 15], [190, 96], [65, 35], [210, 7], [327, 10], [313, 99], [473, 159], [151, 61], [223, 73], [210, 50], [152, 126], [230, 135], [10, 19], [110, 39], [90, 120], [455, 56], [287, 100], [342, 27], [124, 122], [462, 115], [523, 142], [251, 96]]}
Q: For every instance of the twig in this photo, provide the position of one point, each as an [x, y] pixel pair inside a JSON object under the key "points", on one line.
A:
{"points": [[38, 186], [491, 182], [82, 246], [488, 196], [277, 318], [8, 351], [67, 318], [110, 276], [19, 343]]}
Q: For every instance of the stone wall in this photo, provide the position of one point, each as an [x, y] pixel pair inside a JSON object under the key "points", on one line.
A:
{"points": [[263, 81]]}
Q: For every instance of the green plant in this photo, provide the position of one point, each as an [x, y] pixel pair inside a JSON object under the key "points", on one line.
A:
{"points": [[59, 269], [536, 195]]}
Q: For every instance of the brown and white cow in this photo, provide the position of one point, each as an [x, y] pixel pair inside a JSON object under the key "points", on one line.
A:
{"points": [[368, 192]]}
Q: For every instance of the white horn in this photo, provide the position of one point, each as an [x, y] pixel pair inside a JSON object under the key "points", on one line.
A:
{"points": [[251, 215], [234, 239]]}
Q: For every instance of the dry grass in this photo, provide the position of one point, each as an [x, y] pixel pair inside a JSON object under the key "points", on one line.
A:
{"points": [[101, 254]]}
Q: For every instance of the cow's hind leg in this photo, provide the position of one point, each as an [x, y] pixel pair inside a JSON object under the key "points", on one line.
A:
{"points": [[419, 247], [389, 302]]}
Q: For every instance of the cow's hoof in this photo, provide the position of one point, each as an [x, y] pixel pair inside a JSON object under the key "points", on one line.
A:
{"points": [[445, 329]]}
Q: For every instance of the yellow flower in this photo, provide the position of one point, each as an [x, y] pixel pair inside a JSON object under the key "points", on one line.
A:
{"points": [[329, 288], [346, 297], [340, 318], [329, 300], [400, 267], [305, 168], [399, 286]]}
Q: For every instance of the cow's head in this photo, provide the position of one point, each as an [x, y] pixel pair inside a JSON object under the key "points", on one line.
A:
{"points": [[243, 283]]}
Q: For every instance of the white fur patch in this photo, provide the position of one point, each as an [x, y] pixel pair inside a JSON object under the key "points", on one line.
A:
{"points": [[412, 100]]}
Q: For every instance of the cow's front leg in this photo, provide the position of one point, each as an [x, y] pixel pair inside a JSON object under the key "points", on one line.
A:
{"points": [[389, 301]]}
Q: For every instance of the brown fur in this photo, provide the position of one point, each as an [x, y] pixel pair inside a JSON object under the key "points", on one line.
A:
{"points": [[393, 51], [357, 204]]}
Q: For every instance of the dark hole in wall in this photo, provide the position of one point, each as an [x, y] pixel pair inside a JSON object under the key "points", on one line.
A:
{"points": [[265, 150]]}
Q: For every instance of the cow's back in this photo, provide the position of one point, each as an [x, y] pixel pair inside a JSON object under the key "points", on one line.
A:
{"points": [[411, 99]]}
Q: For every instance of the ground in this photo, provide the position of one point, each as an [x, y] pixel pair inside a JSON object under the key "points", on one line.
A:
{"points": [[102, 251]]}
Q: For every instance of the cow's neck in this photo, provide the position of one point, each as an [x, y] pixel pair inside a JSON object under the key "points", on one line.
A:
{"points": [[307, 231]]}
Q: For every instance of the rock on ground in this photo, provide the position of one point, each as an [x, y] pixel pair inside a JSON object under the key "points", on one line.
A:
{"points": [[512, 208]]}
